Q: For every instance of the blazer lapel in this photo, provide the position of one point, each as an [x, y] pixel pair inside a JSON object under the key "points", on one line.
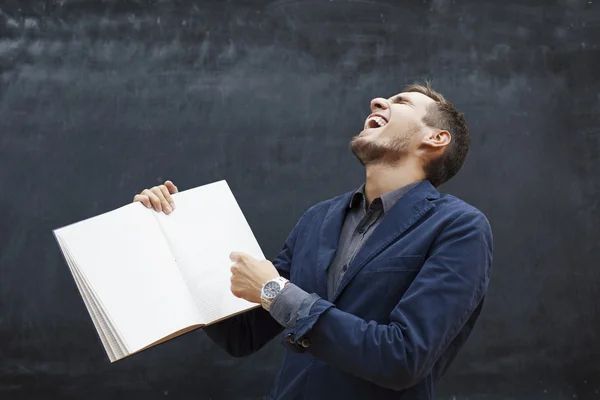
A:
{"points": [[329, 238], [404, 214]]}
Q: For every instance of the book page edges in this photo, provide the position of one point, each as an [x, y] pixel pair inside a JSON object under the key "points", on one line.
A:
{"points": [[119, 340], [103, 328]]}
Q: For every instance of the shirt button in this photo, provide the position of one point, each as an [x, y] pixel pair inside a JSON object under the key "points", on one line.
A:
{"points": [[345, 268]]}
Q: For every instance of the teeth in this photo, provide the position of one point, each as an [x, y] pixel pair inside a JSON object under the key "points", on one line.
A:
{"points": [[380, 121]]}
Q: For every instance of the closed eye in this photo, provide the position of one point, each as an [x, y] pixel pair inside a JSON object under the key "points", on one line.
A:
{"points": [[399, 99]]}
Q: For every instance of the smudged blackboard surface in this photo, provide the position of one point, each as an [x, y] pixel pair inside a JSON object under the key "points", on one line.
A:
{"points": [[100, 99]]}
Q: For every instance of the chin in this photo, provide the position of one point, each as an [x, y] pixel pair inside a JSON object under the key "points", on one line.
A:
{"points": [[368, 150], [365, 136], [365, 150], [358, 142]]}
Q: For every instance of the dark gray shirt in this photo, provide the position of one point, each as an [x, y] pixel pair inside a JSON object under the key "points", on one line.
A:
{"points": [[360, 222]]}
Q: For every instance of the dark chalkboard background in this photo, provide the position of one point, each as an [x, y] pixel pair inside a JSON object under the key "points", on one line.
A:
{"points": [[100, 99]]}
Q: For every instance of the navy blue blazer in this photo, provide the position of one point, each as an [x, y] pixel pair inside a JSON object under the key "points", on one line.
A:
{"points": [[405, 307]]}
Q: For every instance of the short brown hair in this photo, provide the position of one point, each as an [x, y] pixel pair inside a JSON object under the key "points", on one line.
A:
{"points": [[443, 115]]}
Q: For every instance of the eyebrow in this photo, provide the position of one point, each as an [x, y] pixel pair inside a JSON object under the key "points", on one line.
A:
{"points": [[401, 99]]}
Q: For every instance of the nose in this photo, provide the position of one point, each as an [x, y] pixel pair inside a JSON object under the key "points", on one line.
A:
{"points": [[379, 104]]}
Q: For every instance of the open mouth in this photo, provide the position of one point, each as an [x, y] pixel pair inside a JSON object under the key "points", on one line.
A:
{"points": [[375, 121]]}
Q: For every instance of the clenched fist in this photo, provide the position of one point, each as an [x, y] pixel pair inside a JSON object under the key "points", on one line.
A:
{"points": [[248, 275], [158, 197]]}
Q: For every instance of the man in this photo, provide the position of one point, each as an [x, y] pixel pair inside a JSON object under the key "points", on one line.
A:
{"points": [[385, 282]]}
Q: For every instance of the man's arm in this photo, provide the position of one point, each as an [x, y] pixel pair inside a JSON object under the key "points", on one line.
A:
{"points": [[449, 287], [246, 333]]}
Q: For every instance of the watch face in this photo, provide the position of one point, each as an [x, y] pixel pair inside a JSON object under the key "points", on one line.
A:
{"points": [[271, 289]]}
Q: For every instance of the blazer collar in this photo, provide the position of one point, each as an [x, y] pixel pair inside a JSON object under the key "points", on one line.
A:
{"points": [[406, 212]]}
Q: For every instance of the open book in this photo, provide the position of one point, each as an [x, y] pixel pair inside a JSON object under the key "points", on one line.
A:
{"points": [[147, 277]]}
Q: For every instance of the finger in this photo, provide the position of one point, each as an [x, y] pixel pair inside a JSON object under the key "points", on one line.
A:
{"points": [[142, 199], [153, 199], [171, 186], [233, 287], [163, 202], [168, 197], [235, 256]]}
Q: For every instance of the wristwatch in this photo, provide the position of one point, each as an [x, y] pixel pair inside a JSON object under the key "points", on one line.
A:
{"points": [[270, 290]]}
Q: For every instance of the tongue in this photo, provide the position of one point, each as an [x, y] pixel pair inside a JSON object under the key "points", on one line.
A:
{"points": [[373, 124]]}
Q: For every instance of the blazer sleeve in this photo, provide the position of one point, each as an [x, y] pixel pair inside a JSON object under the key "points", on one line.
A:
{"points": [[246, 333], [448, 288]]}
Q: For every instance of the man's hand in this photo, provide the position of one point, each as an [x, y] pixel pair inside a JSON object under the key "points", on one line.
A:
{"points": [[158, 197], [248, 275]]}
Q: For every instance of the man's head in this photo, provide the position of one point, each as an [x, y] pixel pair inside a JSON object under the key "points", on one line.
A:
{"points": [[418, 124]]}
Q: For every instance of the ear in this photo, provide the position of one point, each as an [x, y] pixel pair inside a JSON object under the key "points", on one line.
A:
{"points": [[437, 139]]}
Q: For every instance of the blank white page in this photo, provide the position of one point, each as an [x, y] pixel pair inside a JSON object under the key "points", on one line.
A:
{"points": [[205, 227], [128, 264]]}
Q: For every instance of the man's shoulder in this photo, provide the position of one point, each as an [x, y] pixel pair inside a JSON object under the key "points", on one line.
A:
{"points": [[451, 207], [454, 203]]}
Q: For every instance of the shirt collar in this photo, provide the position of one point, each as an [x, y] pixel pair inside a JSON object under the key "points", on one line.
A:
{"points": [[388, 199], [358, 197]]}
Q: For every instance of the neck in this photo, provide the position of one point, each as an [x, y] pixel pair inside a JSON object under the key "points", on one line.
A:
{"points": [[383, 178]]}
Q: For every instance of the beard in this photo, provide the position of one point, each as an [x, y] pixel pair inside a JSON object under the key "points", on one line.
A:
{"points": [[374, 152]]}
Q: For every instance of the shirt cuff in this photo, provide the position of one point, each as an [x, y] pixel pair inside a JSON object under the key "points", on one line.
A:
{"points": [[290, 302]]}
